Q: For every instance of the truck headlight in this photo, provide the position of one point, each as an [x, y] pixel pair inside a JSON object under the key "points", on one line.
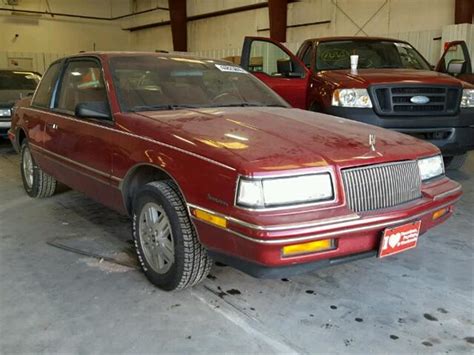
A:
{"points": [[284, 191], [5, 112], [351, 98], [467, 99], [431, 167]]}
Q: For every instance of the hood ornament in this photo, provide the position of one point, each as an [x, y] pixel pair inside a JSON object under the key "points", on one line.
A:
{"points": [[372, 141]]}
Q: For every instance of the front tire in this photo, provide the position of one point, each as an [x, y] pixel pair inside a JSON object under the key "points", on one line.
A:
{"points": [[36, 182], [455, 162], [166, 242]]}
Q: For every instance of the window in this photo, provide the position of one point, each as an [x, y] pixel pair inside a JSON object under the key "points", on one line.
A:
{"points": [[18, 80], [268, 58], [82, 82], [46, 87], [307, 56], [153, 82], [454, 55], [373, 54]]}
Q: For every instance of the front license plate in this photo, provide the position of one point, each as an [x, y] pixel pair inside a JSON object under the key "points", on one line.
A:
{"points": [[398, 239]]}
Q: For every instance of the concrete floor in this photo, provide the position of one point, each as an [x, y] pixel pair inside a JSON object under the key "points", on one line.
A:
{"points": [[53, 300]]}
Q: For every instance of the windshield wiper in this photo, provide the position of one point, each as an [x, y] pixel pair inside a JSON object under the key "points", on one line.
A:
{"points": [[248, 104], [160, 107]]}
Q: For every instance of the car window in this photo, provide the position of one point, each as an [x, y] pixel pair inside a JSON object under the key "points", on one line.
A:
{"points": [[372, 55], [82, 82], [46, 87], [146, 82], [266, 57], [455, 54], [307, 57], [18, 80]]}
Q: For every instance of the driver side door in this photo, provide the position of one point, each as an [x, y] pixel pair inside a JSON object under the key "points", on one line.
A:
{"points": [[82, 147], [278, 68], [456, 61]]}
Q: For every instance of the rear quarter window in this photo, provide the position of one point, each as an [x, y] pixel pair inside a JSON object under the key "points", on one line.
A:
{"points": [[46, 87]]}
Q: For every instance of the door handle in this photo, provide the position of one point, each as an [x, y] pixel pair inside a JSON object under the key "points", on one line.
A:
{"points": [[52, 125]]}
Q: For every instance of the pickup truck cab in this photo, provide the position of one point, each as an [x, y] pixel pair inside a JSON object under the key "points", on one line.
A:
{"points": [[393, 87]]}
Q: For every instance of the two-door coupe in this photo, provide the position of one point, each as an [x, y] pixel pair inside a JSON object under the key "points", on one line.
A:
{"points": [[212, 164]]}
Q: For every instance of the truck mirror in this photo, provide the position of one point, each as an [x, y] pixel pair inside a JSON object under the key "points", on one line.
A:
{"points": [[456, 66]]}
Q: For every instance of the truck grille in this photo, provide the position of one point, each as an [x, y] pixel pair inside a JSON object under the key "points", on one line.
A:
{"points": [[380, 186], [396, 100]]}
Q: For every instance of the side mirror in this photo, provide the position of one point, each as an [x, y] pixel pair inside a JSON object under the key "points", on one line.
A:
{"points": [[285, 68], [93, 109], [456, 66]]}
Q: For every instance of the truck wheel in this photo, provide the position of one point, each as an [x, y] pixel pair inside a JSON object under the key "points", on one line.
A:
{"points": [[455, 162], [36, 182], [166, 242]]}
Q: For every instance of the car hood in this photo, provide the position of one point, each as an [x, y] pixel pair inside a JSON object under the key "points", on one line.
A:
{"points": [[9, 97], [270, 139], [366, 77]]}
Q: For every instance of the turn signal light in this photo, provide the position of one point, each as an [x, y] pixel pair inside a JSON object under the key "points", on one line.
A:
{"points": [[310, 247], [440, 213], [210, 218]]}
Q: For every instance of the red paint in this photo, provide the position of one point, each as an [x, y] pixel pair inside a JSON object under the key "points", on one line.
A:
{"points": [[315, 90], [98, 157]]}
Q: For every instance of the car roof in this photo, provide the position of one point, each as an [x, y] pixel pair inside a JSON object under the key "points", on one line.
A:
{"points": [[354, 38], [115, 54]]}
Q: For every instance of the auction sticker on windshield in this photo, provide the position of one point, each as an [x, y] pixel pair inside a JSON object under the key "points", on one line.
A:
{"points": [[230, 68], [398, 239]]}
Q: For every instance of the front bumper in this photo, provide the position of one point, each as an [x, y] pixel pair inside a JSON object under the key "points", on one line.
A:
{"points": [[257, 249], [453, 135]]}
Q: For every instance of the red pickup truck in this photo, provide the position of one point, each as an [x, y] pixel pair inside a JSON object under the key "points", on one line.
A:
{"points": [[394, 86]]}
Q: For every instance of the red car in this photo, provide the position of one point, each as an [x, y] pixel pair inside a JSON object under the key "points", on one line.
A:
{"points": [[210, 163], [393, 87]]}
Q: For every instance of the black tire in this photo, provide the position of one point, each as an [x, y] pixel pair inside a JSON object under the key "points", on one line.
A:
{"points": [[40, 184], [455, 162], [191, 262]]}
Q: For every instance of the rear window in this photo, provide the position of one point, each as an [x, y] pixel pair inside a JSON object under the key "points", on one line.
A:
{"points": [[18, 80]]}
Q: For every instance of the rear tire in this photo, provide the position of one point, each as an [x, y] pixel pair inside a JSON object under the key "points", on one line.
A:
{"points": [[166, 242], [36, 182], [455, 162]]}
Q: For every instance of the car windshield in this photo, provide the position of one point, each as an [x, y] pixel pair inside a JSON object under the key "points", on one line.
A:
{"points": [[18, 80], [372, 54], [152, 82]]}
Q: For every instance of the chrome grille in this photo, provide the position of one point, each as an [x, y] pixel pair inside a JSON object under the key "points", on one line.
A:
{"points": [[380, 186]]}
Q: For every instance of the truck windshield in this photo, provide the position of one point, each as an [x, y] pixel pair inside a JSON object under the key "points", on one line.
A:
{"points": [[372, 54], [157, 82], [18, 80]]}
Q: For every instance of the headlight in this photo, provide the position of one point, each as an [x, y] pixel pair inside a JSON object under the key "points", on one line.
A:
{"points": [[431, 167], [272, 192], [351, 98], [5, 112], [467, 99]]}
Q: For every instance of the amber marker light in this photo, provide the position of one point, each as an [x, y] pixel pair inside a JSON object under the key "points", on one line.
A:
{"points": [[440, 213], [310, 247], [210, 218]]}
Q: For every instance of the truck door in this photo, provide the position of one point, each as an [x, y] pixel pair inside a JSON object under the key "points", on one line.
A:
{"points": [[278, 68], [456, 61]]}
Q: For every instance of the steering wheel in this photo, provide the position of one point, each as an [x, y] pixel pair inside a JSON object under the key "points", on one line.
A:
{"points": [[224, 94]]}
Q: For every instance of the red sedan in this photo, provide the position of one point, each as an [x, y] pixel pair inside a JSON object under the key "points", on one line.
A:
{"points": [[212, 164]]}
